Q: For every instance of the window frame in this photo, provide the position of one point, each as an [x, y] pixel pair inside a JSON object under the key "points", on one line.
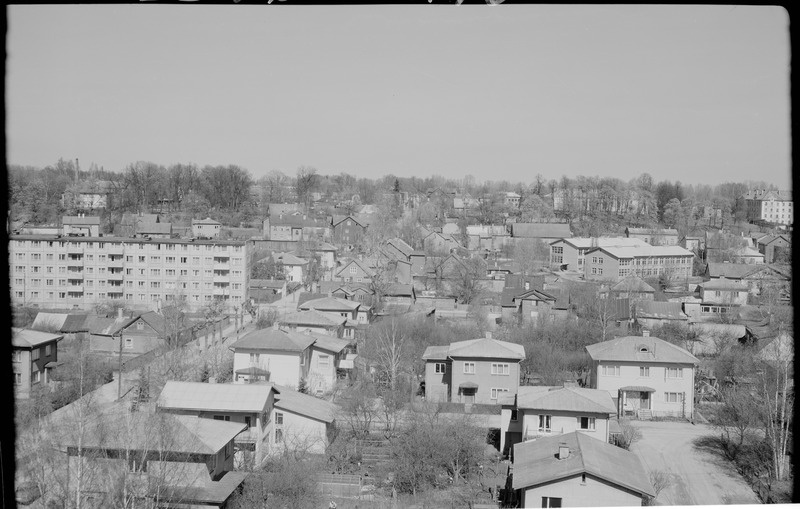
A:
{"points": [[469, 368], [440, 368], [591, 423], [501, 368], [545, 423]]}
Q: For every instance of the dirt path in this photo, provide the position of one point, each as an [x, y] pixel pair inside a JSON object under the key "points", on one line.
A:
{"points": [[698, 477]]}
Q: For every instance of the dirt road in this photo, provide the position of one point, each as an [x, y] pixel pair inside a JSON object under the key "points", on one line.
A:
{"points": [[698, 477]]}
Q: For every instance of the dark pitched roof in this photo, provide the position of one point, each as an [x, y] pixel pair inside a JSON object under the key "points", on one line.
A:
{"points": [[26, 338]]}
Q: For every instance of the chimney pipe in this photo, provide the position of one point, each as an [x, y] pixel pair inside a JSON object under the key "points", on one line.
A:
{"points": [[563, 451]]}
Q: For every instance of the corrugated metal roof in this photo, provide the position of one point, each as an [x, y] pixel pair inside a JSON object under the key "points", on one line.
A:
{"points": [[212, 397], [536, 462]]}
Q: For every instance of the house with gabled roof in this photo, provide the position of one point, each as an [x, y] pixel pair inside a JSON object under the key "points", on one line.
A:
{"points": [[206, 228], [139, 334], [34, 355], [178, 459], [350, 229], [293, 267], [631, 287], [398, 249], [440, 242], [472, 371], [353, 270], [645, 375], [337, 307], [543, 411], [318, 323], [247, 404], [80, 225], [775, 248], [574, 470], [757, 277]]}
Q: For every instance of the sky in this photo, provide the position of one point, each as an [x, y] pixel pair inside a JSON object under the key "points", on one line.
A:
{"points": [[699, 94]]}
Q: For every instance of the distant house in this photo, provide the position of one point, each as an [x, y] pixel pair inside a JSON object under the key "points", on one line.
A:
{"points": [[296, 227], [336, 307], [317, 323], [139, 334], [511, 199], [748, 255], [34, 355], [542, 411], [574, 470], [646, 376], [206, 228], [724, 292], [267, 290], [247, 404], [546, 232], [173, 458], [631, 287], [487, 237], [775, 248], [352, 270], [293, 267], [472, 371], [153, 230], [533, 305], [349, 230], [287, 357], [397, 249], [89, 196], [83, 226], [654, 236], [439, 242], [769, 206], [499, 269]]}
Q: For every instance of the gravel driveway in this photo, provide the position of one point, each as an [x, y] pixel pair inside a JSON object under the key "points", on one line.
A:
{"points": [[698, 477]]}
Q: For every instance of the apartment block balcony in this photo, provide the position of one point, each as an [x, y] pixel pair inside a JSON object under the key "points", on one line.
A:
{"points": [[115, 276], [75, 262], [219, 278], [115, 249], [75, 250]]}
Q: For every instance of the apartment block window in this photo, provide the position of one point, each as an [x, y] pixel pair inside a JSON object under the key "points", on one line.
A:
{"points": [[544, 423], [586, 423], [469, 368], [496, 391], [501, 368], [440, 368], [644, 371], [610, 370], [674, 372], [142, 259]]}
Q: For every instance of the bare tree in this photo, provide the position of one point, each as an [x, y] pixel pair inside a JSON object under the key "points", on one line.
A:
{"points": [[305, 183], [388, 350], [777, 396]]}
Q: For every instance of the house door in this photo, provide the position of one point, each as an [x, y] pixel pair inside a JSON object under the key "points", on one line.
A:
{"points": [[645, 405], [468, 395]]}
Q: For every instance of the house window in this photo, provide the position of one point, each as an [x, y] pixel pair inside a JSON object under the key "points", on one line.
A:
{"points": [[324, 360], [278, 435], [47, 350], [469, 368], [674, 372], [500, 368], [128, 343], [440, 368], [16, 356], [222, 417], [279, 418], [551, 501], [17, 378], [673, 397], [496, 392], [544, 423], [586, 423], [36, 377], [254, 358], [514, 414], [610, 370], [35, 354], [353, 270], [644, 371]]}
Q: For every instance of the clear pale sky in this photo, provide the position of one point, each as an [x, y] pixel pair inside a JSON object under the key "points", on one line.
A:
{"points": [[689, 93]]}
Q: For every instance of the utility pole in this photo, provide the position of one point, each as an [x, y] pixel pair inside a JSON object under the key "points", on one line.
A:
{"points": [[119, 372]]}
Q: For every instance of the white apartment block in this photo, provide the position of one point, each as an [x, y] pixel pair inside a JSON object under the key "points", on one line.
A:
{"points": [[80, 272], [771, 206]]}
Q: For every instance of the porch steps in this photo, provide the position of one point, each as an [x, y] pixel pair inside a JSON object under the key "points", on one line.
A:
{"points": [[645, 415]]}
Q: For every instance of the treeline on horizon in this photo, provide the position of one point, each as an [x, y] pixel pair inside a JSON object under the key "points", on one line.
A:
{"points": [[234, 196]]}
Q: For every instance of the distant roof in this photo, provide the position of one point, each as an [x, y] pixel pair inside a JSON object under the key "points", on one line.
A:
{"points": [[288, 259], [632, 283], [536, 462], [724, 283], [207, 220], [760, 194], [733, 270], [660, 310], [768, 239], [275, 339], [652, 231], [329, 304], [267, 283], [304, 404], [81, 220], [646, 250], [347, 261], [214, 397], [564, 399], [330, 343], [480, 348], [640, 349], [537, 295], [138, 431], [157, 228], [26, 338], [541, 230], [401, 246], [587, 242], [311, 318]]}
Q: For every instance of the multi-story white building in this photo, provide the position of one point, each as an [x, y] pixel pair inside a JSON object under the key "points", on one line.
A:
{"points": [[615, 263], [771, 206], [572, 252], [80, 272]]}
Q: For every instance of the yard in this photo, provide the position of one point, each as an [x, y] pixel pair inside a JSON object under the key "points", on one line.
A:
{"points": [[697, 477]]}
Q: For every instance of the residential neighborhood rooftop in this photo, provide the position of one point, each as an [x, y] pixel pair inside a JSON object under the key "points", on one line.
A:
{"points": [[213, 396]]}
